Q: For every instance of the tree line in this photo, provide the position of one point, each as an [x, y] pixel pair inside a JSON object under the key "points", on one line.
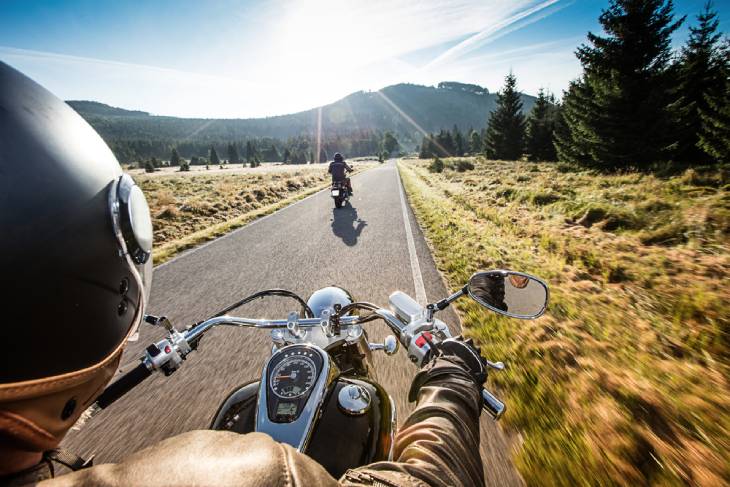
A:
{"points": [[294, 150], [636, 105]]}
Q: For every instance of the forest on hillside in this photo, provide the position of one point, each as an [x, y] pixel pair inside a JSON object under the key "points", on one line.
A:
{"points": [[354, 125]]}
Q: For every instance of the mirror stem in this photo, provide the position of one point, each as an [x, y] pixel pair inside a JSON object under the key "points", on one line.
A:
{"points": [[444, 303]]}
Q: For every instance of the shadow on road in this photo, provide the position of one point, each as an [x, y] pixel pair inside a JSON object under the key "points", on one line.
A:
{"points": [[343, 220]]}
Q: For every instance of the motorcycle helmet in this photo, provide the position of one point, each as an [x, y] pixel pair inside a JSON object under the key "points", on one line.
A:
{"points": [[326, 298], [338, 157], [75, 254]]}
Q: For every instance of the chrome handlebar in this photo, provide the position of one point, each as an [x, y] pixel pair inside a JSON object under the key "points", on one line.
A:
{"points": [[192, 334], [168, 354]]}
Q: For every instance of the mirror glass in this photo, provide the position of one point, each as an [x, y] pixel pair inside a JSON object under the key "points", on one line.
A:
{"points": [[509, 293]]}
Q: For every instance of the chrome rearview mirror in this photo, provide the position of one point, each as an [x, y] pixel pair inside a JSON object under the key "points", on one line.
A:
{"points": [[510, 293]]}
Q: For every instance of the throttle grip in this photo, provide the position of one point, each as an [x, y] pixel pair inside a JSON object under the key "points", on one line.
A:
{"points": [[125, 384], [492, 405]]}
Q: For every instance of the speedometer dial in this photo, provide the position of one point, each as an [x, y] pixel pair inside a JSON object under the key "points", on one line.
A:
{"points": [[293, 377]]}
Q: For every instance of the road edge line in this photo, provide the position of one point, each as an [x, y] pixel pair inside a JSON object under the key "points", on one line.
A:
{"points": [[415, 265]]}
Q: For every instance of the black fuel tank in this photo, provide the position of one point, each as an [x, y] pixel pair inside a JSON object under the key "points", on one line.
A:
{"points": [[340, 441]]}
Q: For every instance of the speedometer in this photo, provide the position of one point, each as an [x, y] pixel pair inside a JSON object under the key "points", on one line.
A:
{"points": [[293, 377]]}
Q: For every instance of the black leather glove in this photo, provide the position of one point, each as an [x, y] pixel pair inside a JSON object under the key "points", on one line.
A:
{"points": [[467, 353], [453, 356]]}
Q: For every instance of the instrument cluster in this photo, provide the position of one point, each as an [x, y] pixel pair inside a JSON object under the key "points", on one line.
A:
{"points": [[291, 374]]}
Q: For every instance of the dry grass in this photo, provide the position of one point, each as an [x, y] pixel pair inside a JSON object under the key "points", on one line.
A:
{"points": [[625, 380], [188, 210]]}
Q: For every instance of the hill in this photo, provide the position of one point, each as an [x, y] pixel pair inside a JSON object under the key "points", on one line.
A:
{"points": [[404, 109]]}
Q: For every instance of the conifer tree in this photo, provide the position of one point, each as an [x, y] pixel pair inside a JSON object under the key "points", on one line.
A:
{"points": [[174, 158], [272, 155], [427, 147], [505, 137], [617, 114], [250, 153], [214, 159], [702, 77], [475, 142], [571, 134], [714, 137], [233, 156], [540, 129], [459, 142]]}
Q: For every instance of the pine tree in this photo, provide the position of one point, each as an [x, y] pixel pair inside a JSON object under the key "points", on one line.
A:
{"points": [[174, 158], [250, 153], [233, 156], [214, 159], [540, 129], [459, 142], [616, 115], [702, 81], [427, 150], [571, 133], [505, 138], [714, 137], [475, 142]]}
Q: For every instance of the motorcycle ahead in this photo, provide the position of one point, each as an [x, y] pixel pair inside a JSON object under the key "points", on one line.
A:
{"points": [[340, 193], [318, 390]]}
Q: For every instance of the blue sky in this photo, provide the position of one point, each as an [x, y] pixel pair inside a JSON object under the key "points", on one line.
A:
{"points": [[233, 59]]}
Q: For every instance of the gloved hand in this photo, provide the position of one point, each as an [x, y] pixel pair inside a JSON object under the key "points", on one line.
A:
{"points": [[463, 353], [453, 356]]}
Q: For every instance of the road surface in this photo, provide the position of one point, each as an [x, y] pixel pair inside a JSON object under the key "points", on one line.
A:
{"points": [[366, 247]]}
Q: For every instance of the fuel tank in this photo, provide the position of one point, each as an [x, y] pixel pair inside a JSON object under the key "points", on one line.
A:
{"points": [[341, 439]]}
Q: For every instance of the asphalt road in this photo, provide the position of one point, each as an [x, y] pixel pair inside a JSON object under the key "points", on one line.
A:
{"points": [[362, 247]]}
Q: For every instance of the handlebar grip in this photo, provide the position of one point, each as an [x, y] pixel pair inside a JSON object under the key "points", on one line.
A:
{"points": [[122, 386], [492, 405]]}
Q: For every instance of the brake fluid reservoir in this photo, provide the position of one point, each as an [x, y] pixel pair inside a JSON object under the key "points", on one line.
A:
{"points": [[405, 307]]}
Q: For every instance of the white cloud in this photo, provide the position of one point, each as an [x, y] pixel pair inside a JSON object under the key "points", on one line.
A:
{"points": [[297, 54]]}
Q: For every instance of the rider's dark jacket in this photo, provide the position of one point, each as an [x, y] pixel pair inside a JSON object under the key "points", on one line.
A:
{"points": [[437, 445], [338, 170]]}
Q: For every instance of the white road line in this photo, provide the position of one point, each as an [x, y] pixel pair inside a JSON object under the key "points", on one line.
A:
{"points": [[415, 267]]}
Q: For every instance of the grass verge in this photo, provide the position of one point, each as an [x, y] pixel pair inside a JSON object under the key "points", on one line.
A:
{"points": [[625, 380]]}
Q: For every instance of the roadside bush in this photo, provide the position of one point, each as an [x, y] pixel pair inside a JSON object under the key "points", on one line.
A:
{"points": [[463, 165], [436, 166], [184, 166], [149, 167]]}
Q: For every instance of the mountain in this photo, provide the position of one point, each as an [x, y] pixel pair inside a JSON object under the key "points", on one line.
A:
{"points": [[96, 109], [404, 109]]}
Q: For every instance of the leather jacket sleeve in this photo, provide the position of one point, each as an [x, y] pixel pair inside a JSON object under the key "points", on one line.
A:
{"points": [[438, 446]]}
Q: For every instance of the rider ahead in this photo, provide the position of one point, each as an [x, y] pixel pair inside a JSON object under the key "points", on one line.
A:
{"points": [[76, 253], [338, 169]]}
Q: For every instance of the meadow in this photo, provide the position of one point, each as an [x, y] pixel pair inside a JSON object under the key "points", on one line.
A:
{"points": [[625, 379]]}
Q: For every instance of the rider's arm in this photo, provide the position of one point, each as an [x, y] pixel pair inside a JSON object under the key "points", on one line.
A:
{"points": [[329, 169], [347, 166], [439, 442]]}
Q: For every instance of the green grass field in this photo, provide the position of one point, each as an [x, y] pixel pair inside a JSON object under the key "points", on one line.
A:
{"points": [[625, 379]]}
